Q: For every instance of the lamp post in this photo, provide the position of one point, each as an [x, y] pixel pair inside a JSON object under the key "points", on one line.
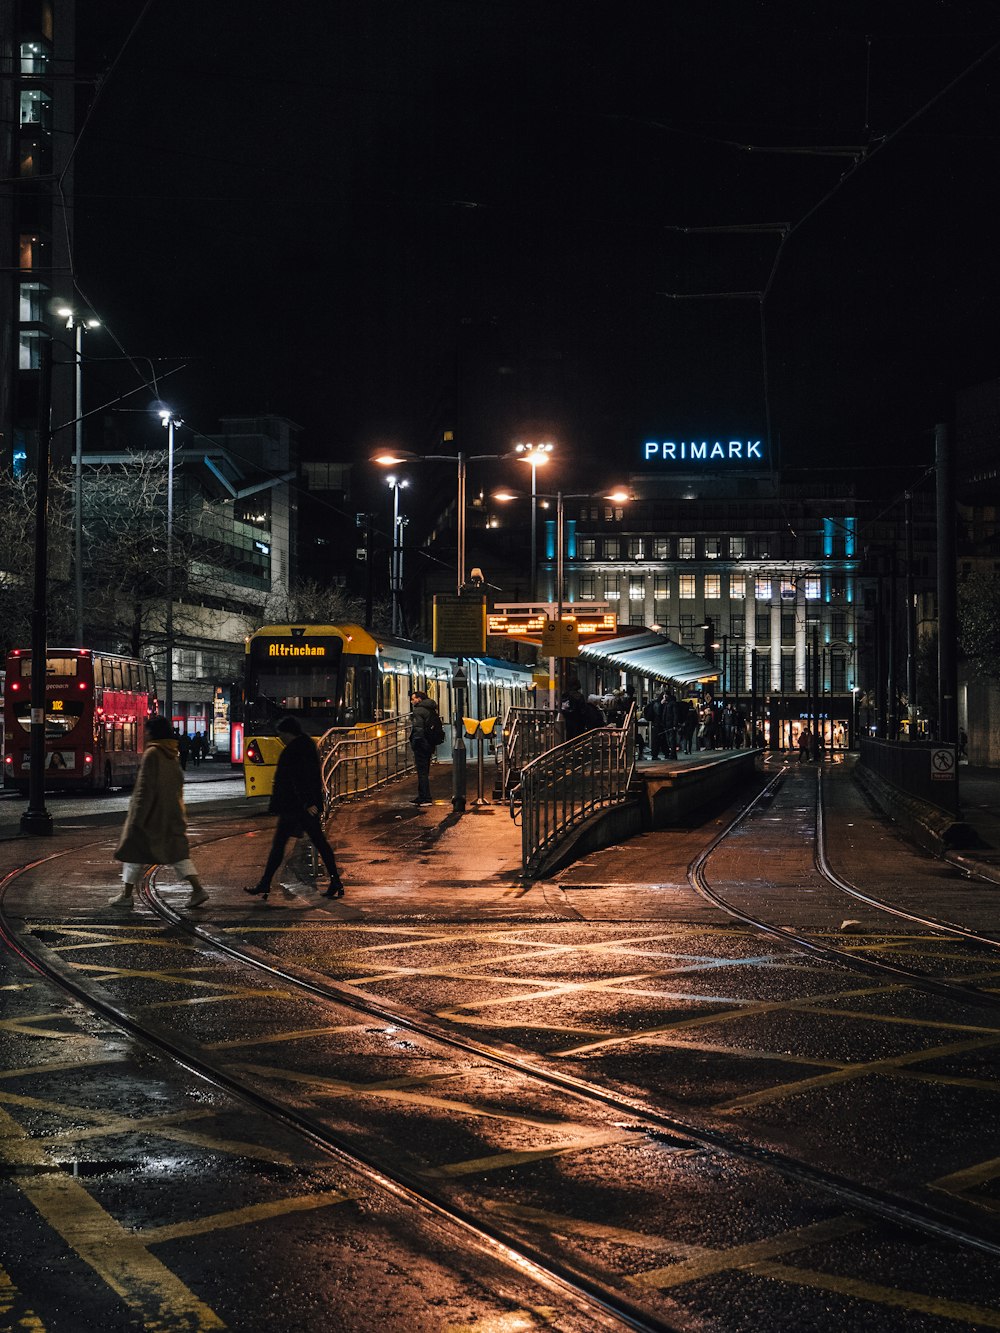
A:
{"points": [[77, 326], [536, 455], [396, 566], [171, 423]]}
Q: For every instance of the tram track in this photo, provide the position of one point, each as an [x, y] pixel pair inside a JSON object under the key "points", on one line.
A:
{"points": [[702, 884], [642, 1119]]}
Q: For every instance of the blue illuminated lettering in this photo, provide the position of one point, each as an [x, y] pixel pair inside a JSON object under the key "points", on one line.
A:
{"points": [[699, 451]]}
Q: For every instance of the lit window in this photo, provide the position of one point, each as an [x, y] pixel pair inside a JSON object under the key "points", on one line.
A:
{"points": [[661, 548], [30, 351], [612, 589], [812, 587], [737, 547], [685, 548], [585, 547], [788, 590], [34, 58], [637, 589], [611, 548], [713, 548], [762, 589], [713, 586], [36, 107], [587, 587], [685, 586], [737, 587], [32, 303], [661, 586], [636, 548]]}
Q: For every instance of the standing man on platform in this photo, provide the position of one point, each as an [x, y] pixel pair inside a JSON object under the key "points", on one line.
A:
{"points": [[426, 734]]}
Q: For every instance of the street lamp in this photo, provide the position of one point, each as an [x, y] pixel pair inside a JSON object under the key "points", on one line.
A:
{"points": [[396, 457], [168, 420], [396, 567], [77, 325], [536, 455]]}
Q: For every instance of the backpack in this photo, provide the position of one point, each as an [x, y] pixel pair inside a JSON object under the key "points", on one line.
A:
{"points": [[435, 728]]}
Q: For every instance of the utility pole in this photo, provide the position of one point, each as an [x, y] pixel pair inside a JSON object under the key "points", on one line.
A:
{"points": [[947, 560], [911, 624], [36, 819]]}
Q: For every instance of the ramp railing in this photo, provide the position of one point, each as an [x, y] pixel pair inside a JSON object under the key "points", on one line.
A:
{"points": [[356, 760], [527, 733], [562, 788]]}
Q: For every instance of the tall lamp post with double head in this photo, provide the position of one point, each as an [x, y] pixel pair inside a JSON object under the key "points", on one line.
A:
{"points": [[396, 484], [170, 422], [395, 458], [77, 324], [536, 456]]}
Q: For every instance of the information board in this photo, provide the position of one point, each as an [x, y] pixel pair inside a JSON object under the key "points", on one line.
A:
{"points": [[459, 625]]}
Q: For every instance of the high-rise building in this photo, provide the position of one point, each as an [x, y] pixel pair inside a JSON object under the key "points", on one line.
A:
{"points": [[37, 126]]}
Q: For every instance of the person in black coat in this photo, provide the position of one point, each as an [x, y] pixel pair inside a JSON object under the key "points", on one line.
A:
{"points": [[297, 800]]}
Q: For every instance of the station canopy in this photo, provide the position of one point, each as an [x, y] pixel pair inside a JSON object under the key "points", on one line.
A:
{"points": [[650, 654]]}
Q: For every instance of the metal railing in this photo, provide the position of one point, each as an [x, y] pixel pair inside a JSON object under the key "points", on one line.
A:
{"points": [[527, 733], [562, 788], [920, 768], [356, 760]]}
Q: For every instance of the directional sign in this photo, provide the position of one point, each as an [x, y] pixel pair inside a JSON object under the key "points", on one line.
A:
{"points": [[560, 638], [944, 764]]}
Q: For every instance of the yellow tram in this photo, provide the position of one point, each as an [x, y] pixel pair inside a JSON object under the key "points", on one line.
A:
{"points": [[346, 677]]}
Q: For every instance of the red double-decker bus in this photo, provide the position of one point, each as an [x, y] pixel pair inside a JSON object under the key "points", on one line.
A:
{"points": [[95, 707]]}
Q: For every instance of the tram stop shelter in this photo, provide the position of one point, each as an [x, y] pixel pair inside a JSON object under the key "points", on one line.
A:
{"points": [[649, 654]]}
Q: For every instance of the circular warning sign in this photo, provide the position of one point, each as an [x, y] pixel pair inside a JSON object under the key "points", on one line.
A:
{"points": [[943, 764]]}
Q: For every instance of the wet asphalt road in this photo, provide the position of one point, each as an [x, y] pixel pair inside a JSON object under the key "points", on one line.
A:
{"points": [[634, 983]]}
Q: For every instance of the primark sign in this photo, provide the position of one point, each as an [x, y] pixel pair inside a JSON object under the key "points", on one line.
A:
{"points": [[703, 451]]}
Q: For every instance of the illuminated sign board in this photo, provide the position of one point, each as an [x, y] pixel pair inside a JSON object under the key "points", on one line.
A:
{"points": [[530, 625], [296, 650], [703, 451]]}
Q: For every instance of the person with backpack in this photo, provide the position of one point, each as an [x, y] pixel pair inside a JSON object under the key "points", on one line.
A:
{"points": [[426, 734]]}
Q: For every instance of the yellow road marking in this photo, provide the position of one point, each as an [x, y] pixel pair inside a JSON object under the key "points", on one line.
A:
{"points": [[502, 1160], [25, 1319], [179, 976], [243, 1217], [235, 993], [561, 1225], [116, 1255], [753, 1009], [969, 1176], [57, 1066], [741, 1256], [515, 1322], [917, 1301], [862, 1070], [297, 1034], [25, 1026]]}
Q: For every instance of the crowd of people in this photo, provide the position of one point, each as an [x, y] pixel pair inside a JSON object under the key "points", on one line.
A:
{"points": [[668, 725]]}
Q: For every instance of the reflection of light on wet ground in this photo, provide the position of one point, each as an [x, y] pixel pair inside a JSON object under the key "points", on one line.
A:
{"points": [[66, 806]]}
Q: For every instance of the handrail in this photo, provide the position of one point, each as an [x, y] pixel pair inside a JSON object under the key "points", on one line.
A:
{"points": [[527, 733], [562, 788], [360, 759]]}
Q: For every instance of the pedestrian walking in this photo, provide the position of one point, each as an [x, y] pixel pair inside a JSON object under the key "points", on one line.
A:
{"points": [[155, 831], [297, 800], [426, 734], [805, 744], [183, 748], [196, 749]]}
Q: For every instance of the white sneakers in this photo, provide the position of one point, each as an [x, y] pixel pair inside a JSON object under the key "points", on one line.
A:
{"points": [[123, 900], [198, 896]]}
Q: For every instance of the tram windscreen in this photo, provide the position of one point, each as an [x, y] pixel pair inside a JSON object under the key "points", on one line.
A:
{"points": [[296, 676]]}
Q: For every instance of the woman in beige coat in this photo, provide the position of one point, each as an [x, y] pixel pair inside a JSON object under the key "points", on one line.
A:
{"points": [[155, 831]]}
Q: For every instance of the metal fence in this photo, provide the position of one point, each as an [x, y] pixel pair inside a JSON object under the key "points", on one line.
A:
{"points": [[356, 760], [563, 787], [527, 733], [920, 768]]}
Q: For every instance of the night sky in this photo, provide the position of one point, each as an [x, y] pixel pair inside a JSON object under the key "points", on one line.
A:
{"points": [[341, 211]]}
